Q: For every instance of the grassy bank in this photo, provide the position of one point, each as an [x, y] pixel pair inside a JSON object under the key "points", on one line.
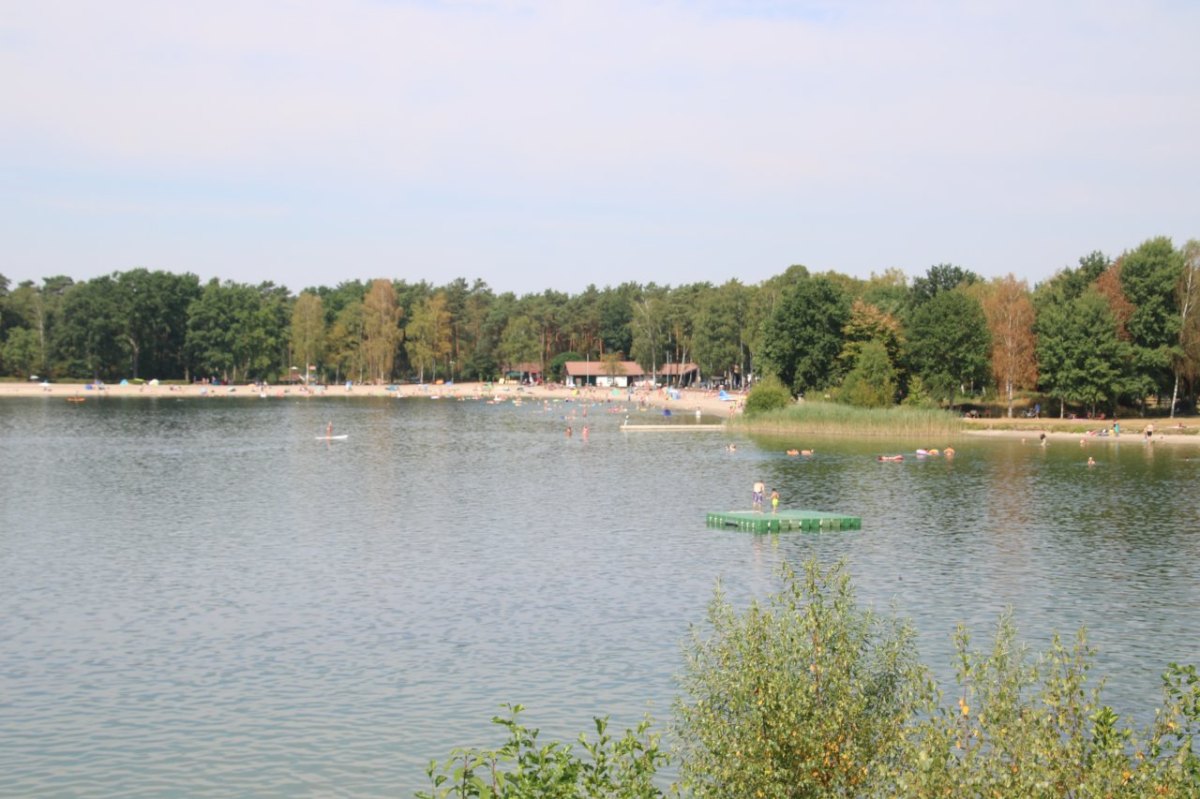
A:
{"points": [[834, 418]]}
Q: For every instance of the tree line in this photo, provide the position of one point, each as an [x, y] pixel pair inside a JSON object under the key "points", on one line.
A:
{"points": [[1108, 331]]}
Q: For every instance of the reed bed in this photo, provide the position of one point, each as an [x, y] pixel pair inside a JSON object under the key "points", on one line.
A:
{"points": [[834, 418]]}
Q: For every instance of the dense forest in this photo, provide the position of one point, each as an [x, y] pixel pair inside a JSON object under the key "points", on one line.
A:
{"points": [[1106, 332]]}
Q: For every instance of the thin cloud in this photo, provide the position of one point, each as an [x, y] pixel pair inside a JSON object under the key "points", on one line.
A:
{"points": [[790, 132]]}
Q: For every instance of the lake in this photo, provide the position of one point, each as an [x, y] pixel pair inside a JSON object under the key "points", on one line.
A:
{"points": [[201, 599]]}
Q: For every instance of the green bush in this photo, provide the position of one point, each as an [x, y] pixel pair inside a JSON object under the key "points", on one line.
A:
{"points": [[613, 768], [767, 394], [804, 695], [807, 695]]}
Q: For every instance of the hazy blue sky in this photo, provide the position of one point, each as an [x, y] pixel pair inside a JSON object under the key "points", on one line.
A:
{"points": [[555, 144]]}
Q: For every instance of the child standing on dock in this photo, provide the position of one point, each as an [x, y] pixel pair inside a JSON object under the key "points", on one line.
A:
{"points": [[774, 500]]}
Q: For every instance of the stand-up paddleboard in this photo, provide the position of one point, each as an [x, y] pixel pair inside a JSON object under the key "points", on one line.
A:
{"points": [[332, 438]]}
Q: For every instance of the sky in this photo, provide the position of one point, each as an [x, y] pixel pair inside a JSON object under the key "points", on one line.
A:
{"points": [[553, 145]]}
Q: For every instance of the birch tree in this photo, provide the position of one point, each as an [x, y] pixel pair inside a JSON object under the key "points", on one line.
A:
{"points": [[1187, 356], [381, 329], [1010, 317], [308, 330]]}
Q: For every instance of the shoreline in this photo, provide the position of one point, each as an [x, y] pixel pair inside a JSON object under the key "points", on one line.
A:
{"points": [[1179, 431], [1084, 432], [1032, 436], [689, 400]]}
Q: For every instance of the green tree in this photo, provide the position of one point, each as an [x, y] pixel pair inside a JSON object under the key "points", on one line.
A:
{"points": [[381, 330], [428, 335], [21, 353], [949, 344], [520, 342], [872, 383], [90, 335], [1080, 356], [803, 335], [680, 318], [154, 309], [344, 348], [868, 323], [1187, 296], [583, 326], [649, 329], [307, 331], [1187, 360], [25, 308], [1150, 277], [235, 330], [720, 332], [557, 368], [616, 315], [938, 279], [477, 347], [802, 695]]}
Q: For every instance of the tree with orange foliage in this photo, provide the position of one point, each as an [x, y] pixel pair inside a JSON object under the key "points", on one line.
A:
{"points": [[1009, 313]]}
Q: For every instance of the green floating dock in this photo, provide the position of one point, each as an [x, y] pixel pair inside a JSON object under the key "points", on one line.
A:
{"points": [[813, 521]]}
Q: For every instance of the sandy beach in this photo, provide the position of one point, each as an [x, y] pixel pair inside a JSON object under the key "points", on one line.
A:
{"points": [[1131, 433], [1175, 431], [689, 400]]}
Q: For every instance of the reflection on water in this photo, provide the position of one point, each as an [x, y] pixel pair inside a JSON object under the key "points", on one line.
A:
{"points": [[202, 599]]}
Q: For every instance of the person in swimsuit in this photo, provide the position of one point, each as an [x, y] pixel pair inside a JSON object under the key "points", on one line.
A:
{"points": [[759, 490], [774, 500]]}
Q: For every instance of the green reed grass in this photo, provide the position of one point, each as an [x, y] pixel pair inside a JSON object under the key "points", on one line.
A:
{"points": [[835, 418]]}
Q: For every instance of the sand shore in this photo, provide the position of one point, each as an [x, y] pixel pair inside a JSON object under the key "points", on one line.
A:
{"points": [[1181, 430], [689, 400], [1177, 431]]}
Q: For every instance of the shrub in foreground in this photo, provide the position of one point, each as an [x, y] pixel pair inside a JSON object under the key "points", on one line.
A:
{"points": [[614, 768], [804, 695], [807, 695]]}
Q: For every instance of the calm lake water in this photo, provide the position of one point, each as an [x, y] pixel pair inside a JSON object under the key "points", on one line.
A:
{"points": [[200, 599]]}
